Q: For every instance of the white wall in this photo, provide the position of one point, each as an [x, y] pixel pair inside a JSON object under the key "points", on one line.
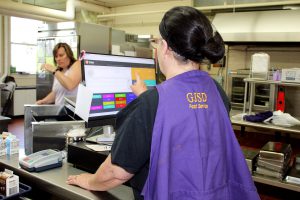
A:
{"points": [[280, 57], [25, 79]]}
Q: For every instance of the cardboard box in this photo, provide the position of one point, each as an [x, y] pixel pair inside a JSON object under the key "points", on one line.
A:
{"points": [[291, 75], [9, 183]]}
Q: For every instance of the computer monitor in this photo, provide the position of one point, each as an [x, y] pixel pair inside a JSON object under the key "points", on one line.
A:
{"points": [[109, 77]]}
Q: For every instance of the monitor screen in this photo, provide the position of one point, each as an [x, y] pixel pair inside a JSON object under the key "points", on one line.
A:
{"points": [[109, 77]]}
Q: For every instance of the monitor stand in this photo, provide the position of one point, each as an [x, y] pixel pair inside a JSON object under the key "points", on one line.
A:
{"points": [[102, 135]]}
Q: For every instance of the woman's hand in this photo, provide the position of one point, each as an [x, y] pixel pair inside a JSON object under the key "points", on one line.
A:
{"points": [[49, 99], [79, 180], [48, 67], [139, 86], [39, 102]]}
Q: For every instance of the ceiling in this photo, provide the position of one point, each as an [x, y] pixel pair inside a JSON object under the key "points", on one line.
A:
{"points": [[97, 5], [117, 3], [61, 4]]}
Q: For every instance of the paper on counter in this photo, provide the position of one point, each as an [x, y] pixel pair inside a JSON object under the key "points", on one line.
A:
{"points": [[83, 102], [99, 147]]}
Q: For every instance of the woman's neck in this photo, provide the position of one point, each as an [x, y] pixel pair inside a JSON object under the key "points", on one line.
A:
{"points": [[179, 68]]}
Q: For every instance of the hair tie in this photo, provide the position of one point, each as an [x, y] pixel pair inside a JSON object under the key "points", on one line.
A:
{"points": [[82, 55]]}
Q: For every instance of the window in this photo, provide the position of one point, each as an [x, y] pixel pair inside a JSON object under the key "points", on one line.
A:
{"points": [[24, 44]]}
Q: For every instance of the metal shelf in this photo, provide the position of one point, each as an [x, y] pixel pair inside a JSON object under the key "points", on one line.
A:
{"points": [[294, 129], [255, 80], [276, 183], [239, 94], [262, 179], [252, 81], [261, 96]]}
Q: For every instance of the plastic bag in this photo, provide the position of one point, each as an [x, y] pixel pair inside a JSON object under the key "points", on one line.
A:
{"points": [[239, 116], [282, 119]]}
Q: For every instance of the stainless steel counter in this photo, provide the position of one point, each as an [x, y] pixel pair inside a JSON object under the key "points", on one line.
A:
{"points": [[54, 182]]}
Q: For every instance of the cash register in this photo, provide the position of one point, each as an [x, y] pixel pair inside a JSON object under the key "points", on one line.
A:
{"points": [[108, 79]]}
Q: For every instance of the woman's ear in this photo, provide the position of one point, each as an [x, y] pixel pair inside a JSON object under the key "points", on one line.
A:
{"points": [[165, 50]]}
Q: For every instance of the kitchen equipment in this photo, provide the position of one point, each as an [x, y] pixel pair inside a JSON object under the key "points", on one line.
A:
{"points": [[45, 127], [76, 134], [236, 91], [260, 64], [291, 75]]}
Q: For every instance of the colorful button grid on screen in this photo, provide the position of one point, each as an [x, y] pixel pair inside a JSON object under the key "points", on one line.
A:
{"points": [[120, 95], [97, 96], [108, 104], [108, 101], [130, 97], [111, 101], [120, 104], [96, 107], [120, 100], [150, 82], [108, 97]]}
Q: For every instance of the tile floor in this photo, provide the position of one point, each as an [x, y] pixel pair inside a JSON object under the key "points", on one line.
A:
{"points": [[249, 140]]}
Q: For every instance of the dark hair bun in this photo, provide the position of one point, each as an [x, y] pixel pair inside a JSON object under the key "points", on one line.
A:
{"points": [[190, 34], [214, 49]]}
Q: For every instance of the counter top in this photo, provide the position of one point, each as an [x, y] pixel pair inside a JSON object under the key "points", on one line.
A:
{"points": [[3, 118], [54, 181], [256, 80], [25, 87], [240, 122]]}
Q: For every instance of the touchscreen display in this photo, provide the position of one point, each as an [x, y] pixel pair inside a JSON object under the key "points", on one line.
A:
{"points": [[109, 77]]}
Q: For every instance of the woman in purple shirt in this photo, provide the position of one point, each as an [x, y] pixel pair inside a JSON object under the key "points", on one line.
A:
{"points": [[176, 141]]}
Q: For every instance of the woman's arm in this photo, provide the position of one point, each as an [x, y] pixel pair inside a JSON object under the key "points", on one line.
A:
{"points": [[50, 98], [71, 80], [107, 176]]}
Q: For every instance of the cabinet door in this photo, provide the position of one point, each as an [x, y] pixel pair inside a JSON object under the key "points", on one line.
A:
{"points": [[21, 97]]}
